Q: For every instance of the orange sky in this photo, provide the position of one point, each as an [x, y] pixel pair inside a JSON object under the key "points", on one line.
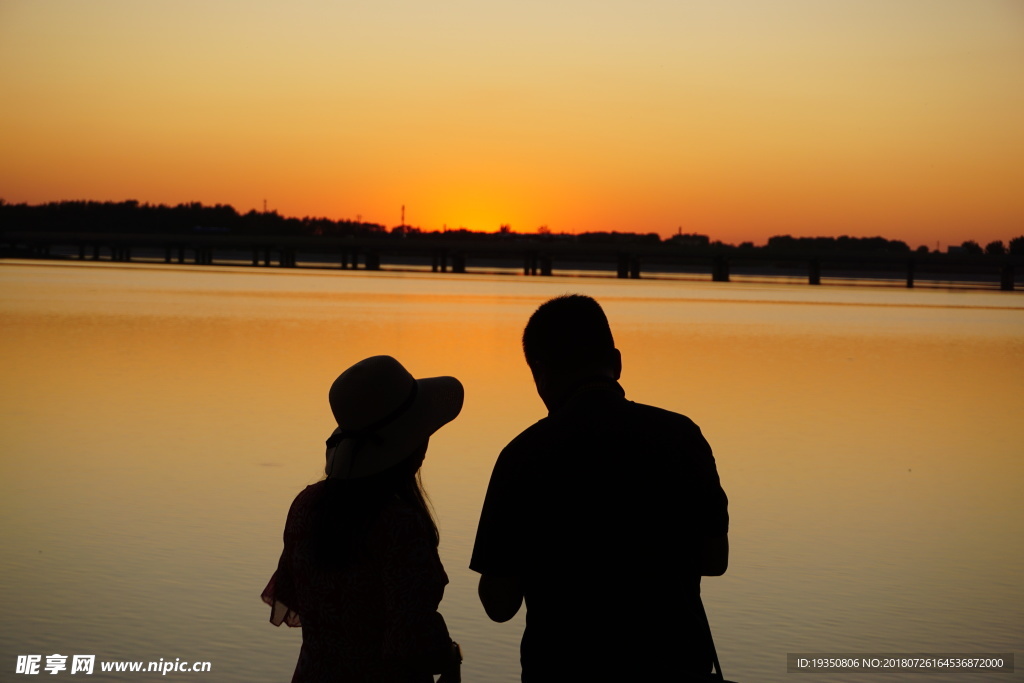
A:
{"points": [[739, 119]]}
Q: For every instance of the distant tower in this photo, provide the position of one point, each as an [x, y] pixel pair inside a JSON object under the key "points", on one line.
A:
{"points": [[403, 215]]}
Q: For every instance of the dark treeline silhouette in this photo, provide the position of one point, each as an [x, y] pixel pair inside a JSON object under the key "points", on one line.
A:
{"points": [[131, 217], [834, 244]]}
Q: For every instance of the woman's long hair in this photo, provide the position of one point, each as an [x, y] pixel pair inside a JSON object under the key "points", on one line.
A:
{"points": [[349, 508]]}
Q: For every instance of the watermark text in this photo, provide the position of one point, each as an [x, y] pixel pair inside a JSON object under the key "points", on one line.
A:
{"points": [[56, 663]]}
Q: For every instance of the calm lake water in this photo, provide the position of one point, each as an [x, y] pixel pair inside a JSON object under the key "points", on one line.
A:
{"points": [[157, 421]]}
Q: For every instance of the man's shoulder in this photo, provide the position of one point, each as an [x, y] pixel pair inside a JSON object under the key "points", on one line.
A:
{"points": [[660, 417], [608, 424], [537, 431], [528, 442], [618, 409]]}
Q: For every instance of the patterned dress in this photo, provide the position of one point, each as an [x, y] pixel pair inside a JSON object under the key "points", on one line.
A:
{"points": [[374, 621]]}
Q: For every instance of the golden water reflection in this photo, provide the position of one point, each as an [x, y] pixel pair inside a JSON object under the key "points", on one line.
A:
{"points": [[158, 422]]}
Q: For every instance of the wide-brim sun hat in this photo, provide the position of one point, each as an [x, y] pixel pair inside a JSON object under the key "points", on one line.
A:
{"points": [[384, 414]]}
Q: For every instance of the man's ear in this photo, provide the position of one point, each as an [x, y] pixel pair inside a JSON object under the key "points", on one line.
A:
{"points": [[542, 381], [539, 379]]}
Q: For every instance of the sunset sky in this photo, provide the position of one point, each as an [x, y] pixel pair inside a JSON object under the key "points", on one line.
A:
{"points": [[739, 119]]}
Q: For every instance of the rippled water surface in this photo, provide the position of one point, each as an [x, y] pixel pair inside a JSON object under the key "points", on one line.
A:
{"points": [[157, 421]]}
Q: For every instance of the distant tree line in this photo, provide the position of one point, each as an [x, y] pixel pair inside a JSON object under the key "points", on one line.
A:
{"points": [[995, 248], [131, 217], [831, 244]]}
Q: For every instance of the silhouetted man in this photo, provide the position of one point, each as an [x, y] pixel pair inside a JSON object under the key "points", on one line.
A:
{"points": [[603, 516]]}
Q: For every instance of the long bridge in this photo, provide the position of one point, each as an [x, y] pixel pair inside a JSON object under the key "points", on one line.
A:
{"points": [[536, 255]]}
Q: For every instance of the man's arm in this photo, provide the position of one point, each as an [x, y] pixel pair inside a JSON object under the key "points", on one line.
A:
{"points": [[501, 596], [714, 556]]}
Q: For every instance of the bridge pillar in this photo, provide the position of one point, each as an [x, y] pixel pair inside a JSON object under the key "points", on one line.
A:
{"points": [[814, 272], [720, 269], [458, 263], [911, 267], [372, 260], [545, 265], [1006, 278], [622, 271], [634, 268], [438, 260], [530, 263]]}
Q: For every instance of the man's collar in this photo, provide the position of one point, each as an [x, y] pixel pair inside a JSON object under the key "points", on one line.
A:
{"points": [[588, 386]]}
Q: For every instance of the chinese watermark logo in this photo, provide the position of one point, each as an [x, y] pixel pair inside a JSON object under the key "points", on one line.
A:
{"points": [[86, 664]]}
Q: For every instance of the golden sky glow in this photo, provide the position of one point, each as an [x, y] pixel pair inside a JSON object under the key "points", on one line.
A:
{"points": [[737, 119]]}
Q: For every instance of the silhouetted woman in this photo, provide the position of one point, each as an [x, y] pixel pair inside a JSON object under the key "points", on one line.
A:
{"points": [[360, 571]]}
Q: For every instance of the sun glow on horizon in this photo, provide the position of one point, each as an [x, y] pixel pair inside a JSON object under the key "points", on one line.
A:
{"points": [[739, 121]]}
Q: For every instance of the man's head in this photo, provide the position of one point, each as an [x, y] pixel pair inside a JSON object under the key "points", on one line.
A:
{"points": [[566, 341]]}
